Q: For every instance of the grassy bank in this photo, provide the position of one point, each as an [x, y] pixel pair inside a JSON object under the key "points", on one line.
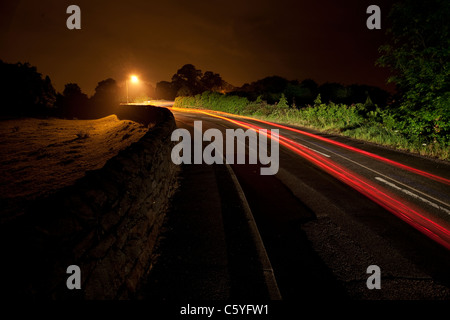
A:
{"points": [[40, 156], [360, 121]]}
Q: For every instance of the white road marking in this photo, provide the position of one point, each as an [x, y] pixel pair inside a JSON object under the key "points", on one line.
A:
{"points": [[295, 138], [387, 177], [413, 195], [325, 155]]}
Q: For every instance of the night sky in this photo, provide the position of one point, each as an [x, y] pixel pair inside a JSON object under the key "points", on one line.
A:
{"points": [[243, 41]]}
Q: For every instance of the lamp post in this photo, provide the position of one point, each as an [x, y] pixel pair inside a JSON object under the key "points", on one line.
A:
{"points": [[134, 79]]}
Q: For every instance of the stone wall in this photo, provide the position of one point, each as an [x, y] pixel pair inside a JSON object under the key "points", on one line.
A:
{"points": [[106, 223]]}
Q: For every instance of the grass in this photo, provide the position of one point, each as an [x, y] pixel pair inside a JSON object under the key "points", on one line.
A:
{"points": [[40, 157]]}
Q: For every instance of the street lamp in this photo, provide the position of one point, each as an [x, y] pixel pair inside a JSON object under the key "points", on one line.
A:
{"points": [[134, 79]]}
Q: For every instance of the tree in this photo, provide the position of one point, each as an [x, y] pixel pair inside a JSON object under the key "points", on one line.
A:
{"points": [[283, 103], [165, 90], [418, 55], [333, 92], [189, 77], [48, 94], [302, 93], [105, 100], [270, 88], [190, 81], [24, 91], [211, 81], [184, 91], [74, 102]]}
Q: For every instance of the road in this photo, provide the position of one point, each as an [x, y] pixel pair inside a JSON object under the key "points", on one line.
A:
{"points": [[337, 206]]}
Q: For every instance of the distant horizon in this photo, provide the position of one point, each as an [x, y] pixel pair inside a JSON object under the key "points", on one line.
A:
{"points": [[390, 89], [243, 41]]}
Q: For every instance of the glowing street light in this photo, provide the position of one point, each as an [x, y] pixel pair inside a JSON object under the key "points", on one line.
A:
{"points": [[134, 79]]}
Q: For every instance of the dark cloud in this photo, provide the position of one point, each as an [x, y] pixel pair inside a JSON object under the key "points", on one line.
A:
{"points": [[242, 40]]}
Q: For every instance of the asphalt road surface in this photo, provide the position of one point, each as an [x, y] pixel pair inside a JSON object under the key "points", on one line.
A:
{"points": [[337, 206]]}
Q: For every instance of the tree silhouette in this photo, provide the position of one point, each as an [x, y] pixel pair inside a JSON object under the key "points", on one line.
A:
{"points": [[190, 81], [187, 78], [165, 90], [74, 102], [301, 94], [211, 81], [105, 100], [269, 88], [333, 92], [24, 92]]}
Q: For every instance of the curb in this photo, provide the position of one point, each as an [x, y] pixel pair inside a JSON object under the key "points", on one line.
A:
{"points": [[269, 276]]}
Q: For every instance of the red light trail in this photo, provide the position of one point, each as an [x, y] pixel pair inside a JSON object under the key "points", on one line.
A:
{"points": [[429, 225]]}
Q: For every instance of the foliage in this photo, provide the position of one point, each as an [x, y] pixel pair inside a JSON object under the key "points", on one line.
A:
{"points": [[303, 93], [190, 81], [73, 102], [362, 120], [165, 90], [24, 91], [283, 102], [418, 56], [105, 100]]}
